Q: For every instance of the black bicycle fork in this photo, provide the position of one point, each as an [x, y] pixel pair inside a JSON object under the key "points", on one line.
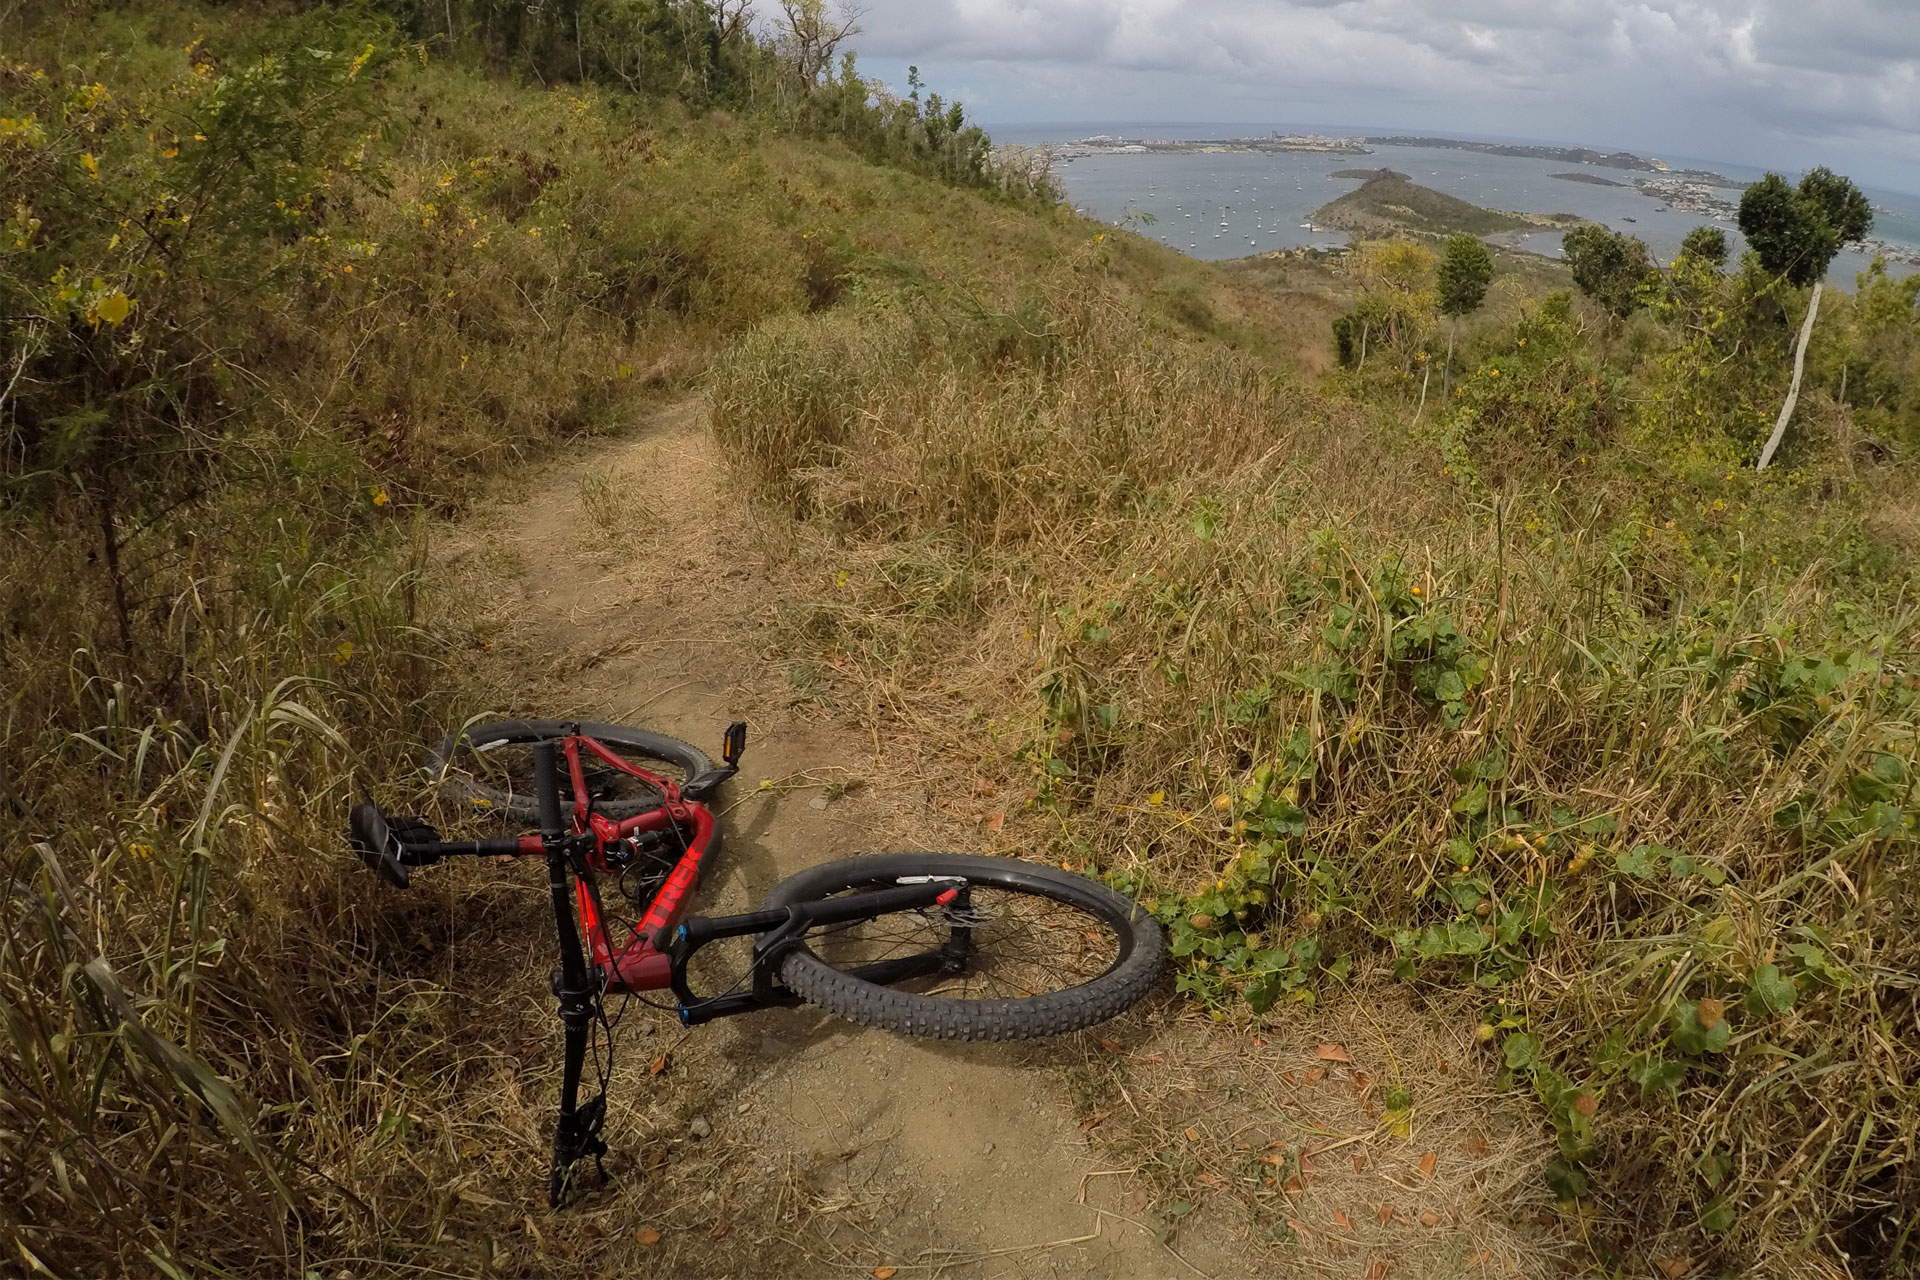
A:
{"points": [[577, 1132]]}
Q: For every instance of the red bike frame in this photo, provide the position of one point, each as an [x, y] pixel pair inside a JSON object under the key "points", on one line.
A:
{"points": [[639, 965]]}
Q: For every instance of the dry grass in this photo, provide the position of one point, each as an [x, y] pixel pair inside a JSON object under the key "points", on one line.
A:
{"points": [[1290, 1146], [1118, 573]]}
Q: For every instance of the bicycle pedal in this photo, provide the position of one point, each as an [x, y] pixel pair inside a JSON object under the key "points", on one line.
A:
{"points": [[733, 743]]}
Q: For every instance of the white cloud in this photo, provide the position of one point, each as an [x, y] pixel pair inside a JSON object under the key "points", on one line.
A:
{"points": [[1779, 81]]}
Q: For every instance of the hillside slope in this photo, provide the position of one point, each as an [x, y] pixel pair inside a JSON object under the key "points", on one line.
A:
{"points": [[1527, 786]]}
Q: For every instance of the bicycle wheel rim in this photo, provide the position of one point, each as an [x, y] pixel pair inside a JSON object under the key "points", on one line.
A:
{"points": [[1052, 951]]}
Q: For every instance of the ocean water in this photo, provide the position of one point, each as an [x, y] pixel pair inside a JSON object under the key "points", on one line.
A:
{"points": [[1223, 205]]}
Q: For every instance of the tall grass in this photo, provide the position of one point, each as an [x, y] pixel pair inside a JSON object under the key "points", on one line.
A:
{"points": [[356, 292], [1642, 787]]}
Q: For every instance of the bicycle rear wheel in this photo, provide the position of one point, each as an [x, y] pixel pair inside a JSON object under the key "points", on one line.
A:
{"points": [[1025, 951], [489, 767]]}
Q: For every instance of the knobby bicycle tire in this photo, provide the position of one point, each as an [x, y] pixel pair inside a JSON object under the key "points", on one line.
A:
{"points": [[1140, 945], [518, 803]]}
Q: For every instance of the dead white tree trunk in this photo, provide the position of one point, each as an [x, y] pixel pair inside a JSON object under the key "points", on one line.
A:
{"points": [[1793, 392]]}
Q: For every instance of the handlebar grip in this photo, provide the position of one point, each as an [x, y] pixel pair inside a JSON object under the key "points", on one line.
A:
{"points": [[546, 785]]}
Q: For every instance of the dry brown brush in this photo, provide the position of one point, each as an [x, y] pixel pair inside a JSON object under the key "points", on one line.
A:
{"points": [[1334, 708]]}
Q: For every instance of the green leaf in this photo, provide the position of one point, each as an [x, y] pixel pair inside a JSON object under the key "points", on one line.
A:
{"points": [[1689, 1036], [1717, 1214], [1521, 1050], [1473, 801], [1714, 1166], [1657, 1074], [1636, 862], [1681, 867], [1567, 1182], [1769, 992]]}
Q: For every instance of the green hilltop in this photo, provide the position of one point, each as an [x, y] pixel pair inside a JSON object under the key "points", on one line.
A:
{"points": [[1388, 202]]}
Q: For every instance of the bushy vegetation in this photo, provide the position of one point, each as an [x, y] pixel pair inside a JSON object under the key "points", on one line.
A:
{"points": [[275, 289], [1544, 702]]}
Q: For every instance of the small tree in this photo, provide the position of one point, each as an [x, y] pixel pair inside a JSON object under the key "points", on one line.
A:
{"points": [[1706, 244], [1796, 231], [1608, 267], [1466, 269]]}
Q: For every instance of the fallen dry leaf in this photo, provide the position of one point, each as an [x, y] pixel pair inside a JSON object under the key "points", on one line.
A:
{"points": [[1211, 1179], [1359, 1161], [1299, 1228], [984, 787], [1476, 1146], [1313, 1076], [1294, 1186], [1307, 1166], [1259, 1042], [1674, 1266], [1331, 1053], [1379, 1269], [885, 1273], [1093, 1121], [1428, 1163], [1428, 1218], [1360, 1081], [1341, 1220], [647, 1236], [1384, 1213], [1138, 1200], [1280, 1159], [1585, 1105], [1287, 1076], [1710, 1012], [659, 1065], [997, 821], [1193, 1134], [1110, 1046]]}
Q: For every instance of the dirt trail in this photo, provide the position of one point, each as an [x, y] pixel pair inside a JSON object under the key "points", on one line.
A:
{"points": [[786, 1142]]}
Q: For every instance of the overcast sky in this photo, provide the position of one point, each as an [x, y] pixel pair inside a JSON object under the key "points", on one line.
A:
{"points": [[1770, 83]]}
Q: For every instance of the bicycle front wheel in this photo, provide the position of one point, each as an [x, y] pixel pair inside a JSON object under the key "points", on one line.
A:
{"points": [[490, 767], [1022, 951]]}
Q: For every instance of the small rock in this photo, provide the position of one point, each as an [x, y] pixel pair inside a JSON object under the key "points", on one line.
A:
{"points": [[818, 802], [699, 1127], [743, 1108], [987, 1150]]}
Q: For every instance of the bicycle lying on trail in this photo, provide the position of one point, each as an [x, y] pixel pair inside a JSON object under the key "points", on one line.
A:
{"points": [[938, 945]]}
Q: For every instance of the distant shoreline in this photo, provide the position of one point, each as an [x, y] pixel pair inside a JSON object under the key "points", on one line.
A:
{"points": [[1111, 144]]}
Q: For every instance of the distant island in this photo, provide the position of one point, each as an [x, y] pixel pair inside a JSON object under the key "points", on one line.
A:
{"points": [[1591, 179], [1572, 155], [1109, 145], [1389, 203]]}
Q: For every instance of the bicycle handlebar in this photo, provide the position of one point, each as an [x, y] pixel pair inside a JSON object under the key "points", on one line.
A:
{"points": [[392, 845]]}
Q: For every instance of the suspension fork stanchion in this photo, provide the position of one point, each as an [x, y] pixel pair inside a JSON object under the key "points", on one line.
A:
{"points": [[959, 947], [577, 1131]]}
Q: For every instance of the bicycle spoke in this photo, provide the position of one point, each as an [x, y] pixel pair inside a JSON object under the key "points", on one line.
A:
{"points": [[1022, 945]]}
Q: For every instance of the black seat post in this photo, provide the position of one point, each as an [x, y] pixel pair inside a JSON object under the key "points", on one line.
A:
{"points": [[575, 1134]]}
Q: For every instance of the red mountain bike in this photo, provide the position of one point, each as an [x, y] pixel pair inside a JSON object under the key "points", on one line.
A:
{"points": [[940, 945]]}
